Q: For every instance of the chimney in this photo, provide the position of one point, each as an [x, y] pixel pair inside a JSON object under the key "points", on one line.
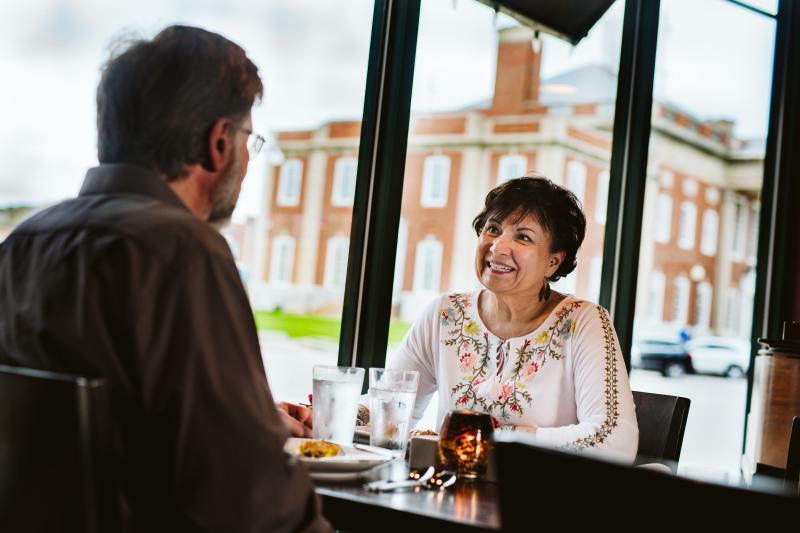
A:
{"points": [[516, 87]]}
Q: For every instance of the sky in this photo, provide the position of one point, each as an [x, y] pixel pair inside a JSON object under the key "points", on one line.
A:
{"points": [[714, 60]]}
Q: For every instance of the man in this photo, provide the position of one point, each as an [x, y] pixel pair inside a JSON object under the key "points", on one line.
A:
{"points": [[129, 281]]}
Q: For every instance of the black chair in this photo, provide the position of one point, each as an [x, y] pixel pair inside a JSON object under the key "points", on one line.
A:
{"points": [[791, 478], [662, 423], [54, 459], [586, 493]]}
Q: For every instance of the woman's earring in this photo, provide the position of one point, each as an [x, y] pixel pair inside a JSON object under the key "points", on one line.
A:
{"points": [[544, 292]]}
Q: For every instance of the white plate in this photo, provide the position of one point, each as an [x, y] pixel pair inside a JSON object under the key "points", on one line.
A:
{"points": [[351, 459]]}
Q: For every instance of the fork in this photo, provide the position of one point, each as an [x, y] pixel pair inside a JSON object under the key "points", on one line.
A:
{"points": [[386, 485]]}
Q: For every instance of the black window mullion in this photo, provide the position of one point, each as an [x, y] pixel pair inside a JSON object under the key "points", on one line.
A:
{"points": [[628, 170], [777, 279], [379, 184]]}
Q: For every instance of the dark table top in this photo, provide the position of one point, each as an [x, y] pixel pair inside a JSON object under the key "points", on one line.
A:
{"points": [[466, 506]]}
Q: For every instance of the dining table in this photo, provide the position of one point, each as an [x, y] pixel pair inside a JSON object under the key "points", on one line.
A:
{"points": [[466, 506]]}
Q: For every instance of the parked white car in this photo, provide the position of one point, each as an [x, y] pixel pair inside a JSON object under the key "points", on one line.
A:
{"points": [[719, 355]]}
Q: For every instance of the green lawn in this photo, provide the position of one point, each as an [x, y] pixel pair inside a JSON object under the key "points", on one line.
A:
{"points": [[299, 326]]}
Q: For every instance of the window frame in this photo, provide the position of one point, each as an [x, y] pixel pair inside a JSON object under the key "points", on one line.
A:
{"points": [[283, 197], [429, 166]]}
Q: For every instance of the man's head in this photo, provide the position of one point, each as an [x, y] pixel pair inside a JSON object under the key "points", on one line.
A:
{"points": [[179, 104]]}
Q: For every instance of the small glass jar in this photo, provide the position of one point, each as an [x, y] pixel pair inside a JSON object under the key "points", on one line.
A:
{"points": [[465, 443]]}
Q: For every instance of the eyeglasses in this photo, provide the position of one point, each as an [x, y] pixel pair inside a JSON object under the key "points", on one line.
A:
{"points": [[256, 143]]}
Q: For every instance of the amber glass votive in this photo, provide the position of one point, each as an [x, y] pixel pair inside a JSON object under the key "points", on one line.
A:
{"points": [[464, 443]]}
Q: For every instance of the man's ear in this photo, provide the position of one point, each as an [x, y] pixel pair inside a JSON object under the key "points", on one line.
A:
{"points": [[219, 145]]}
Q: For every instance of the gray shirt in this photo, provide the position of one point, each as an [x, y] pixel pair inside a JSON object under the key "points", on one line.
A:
{"points": [[125, 283]]}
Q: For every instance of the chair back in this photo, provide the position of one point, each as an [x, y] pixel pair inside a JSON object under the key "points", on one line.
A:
{"points": [[54, 473], [536, 482], [662, 423], [792, 473]]}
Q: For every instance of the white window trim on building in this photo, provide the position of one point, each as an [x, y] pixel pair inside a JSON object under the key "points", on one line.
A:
{"points": [[344, 182], [281, 265], [732, 310], [739, 230], [680, 300], [663, 222], [576, 179], [595, 278], [601, 199], [290, 183], [658, 285], [687, 222], [435, 181], [428, 266], [703, 305], [511, 166], [336, 253], [708, 239]]}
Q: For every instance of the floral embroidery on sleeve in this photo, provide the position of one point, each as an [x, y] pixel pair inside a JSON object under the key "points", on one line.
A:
{"points": [[611, 391]]}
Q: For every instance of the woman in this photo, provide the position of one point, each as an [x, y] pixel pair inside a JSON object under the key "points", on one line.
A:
{"points": [[537, 360]]}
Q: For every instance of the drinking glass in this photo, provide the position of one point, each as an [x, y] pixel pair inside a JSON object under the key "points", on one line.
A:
{"points": [[391, 404], [465, 442], [336, 393]]}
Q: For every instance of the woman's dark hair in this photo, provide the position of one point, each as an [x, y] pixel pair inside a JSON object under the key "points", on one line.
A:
{"points": [[158, 100], [556, 210]]}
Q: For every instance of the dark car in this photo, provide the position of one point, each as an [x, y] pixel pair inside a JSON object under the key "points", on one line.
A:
{"points": [[666, 356]]}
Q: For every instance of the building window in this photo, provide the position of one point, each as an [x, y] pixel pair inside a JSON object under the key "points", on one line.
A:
{"points": [[576, 179], [752, 234], [663, 222], [680, 300], [601, 200], [686, 225], [435, 181], [336, 263], [428, 266], [739, 229], [702, 305], [595, 276], [512, 166], [282, 260], [732, 310], [656, 298], [289, 182], [708, 240], [689, 187], [666, 179], [344, 182]]}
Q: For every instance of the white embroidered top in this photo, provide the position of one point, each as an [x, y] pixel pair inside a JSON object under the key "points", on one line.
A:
{"points": [[567, 377]]}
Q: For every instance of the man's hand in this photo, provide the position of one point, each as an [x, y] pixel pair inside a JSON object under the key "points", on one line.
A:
{"points": [[298, 419]]}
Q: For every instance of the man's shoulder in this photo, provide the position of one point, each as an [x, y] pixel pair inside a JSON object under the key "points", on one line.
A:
{"points": [[163, 229]]}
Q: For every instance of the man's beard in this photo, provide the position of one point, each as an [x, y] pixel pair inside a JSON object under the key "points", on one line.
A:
{"points": [[225, 194]]}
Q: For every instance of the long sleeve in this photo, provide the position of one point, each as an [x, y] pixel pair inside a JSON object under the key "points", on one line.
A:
{"points": [[603, 399], [418, 352], [215, 428]]}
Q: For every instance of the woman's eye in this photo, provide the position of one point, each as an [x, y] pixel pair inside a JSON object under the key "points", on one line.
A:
{"points": [[492, 230], [524, 237]]}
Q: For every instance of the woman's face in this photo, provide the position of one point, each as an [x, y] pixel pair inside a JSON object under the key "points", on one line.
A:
{"points": [[513, 256]]}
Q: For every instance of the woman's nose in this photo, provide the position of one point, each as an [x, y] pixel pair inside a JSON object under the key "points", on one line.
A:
{"points": [[501, 245]]}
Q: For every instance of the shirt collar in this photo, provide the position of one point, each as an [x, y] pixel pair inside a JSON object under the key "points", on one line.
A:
{"points": [[113, 178]]}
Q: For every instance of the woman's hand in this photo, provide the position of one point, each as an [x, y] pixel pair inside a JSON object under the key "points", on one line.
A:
{"points": [[524, 429], [298, 419]]}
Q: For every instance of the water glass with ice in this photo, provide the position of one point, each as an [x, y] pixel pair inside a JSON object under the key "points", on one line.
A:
{"points": [[391, 405], [337, 390]]}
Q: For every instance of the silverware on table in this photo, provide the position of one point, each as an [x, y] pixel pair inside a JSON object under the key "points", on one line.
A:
{"points": [[384, 485]]}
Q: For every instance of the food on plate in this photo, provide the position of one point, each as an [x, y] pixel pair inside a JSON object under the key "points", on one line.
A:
{"points": [[423, 433], [319, 448]]}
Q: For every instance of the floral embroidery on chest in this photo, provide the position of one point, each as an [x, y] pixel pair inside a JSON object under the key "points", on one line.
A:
{"points": [[472, 345]]}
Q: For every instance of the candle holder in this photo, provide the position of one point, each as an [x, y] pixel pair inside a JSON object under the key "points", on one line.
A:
{"points": [[465, 442]]}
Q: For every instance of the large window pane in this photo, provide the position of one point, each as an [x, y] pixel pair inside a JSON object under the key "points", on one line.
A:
{"points": [[697, 264], [497, 103], [290, 232]]}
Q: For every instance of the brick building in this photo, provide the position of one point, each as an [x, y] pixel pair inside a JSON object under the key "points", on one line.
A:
{"points": [[699, 224]]}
